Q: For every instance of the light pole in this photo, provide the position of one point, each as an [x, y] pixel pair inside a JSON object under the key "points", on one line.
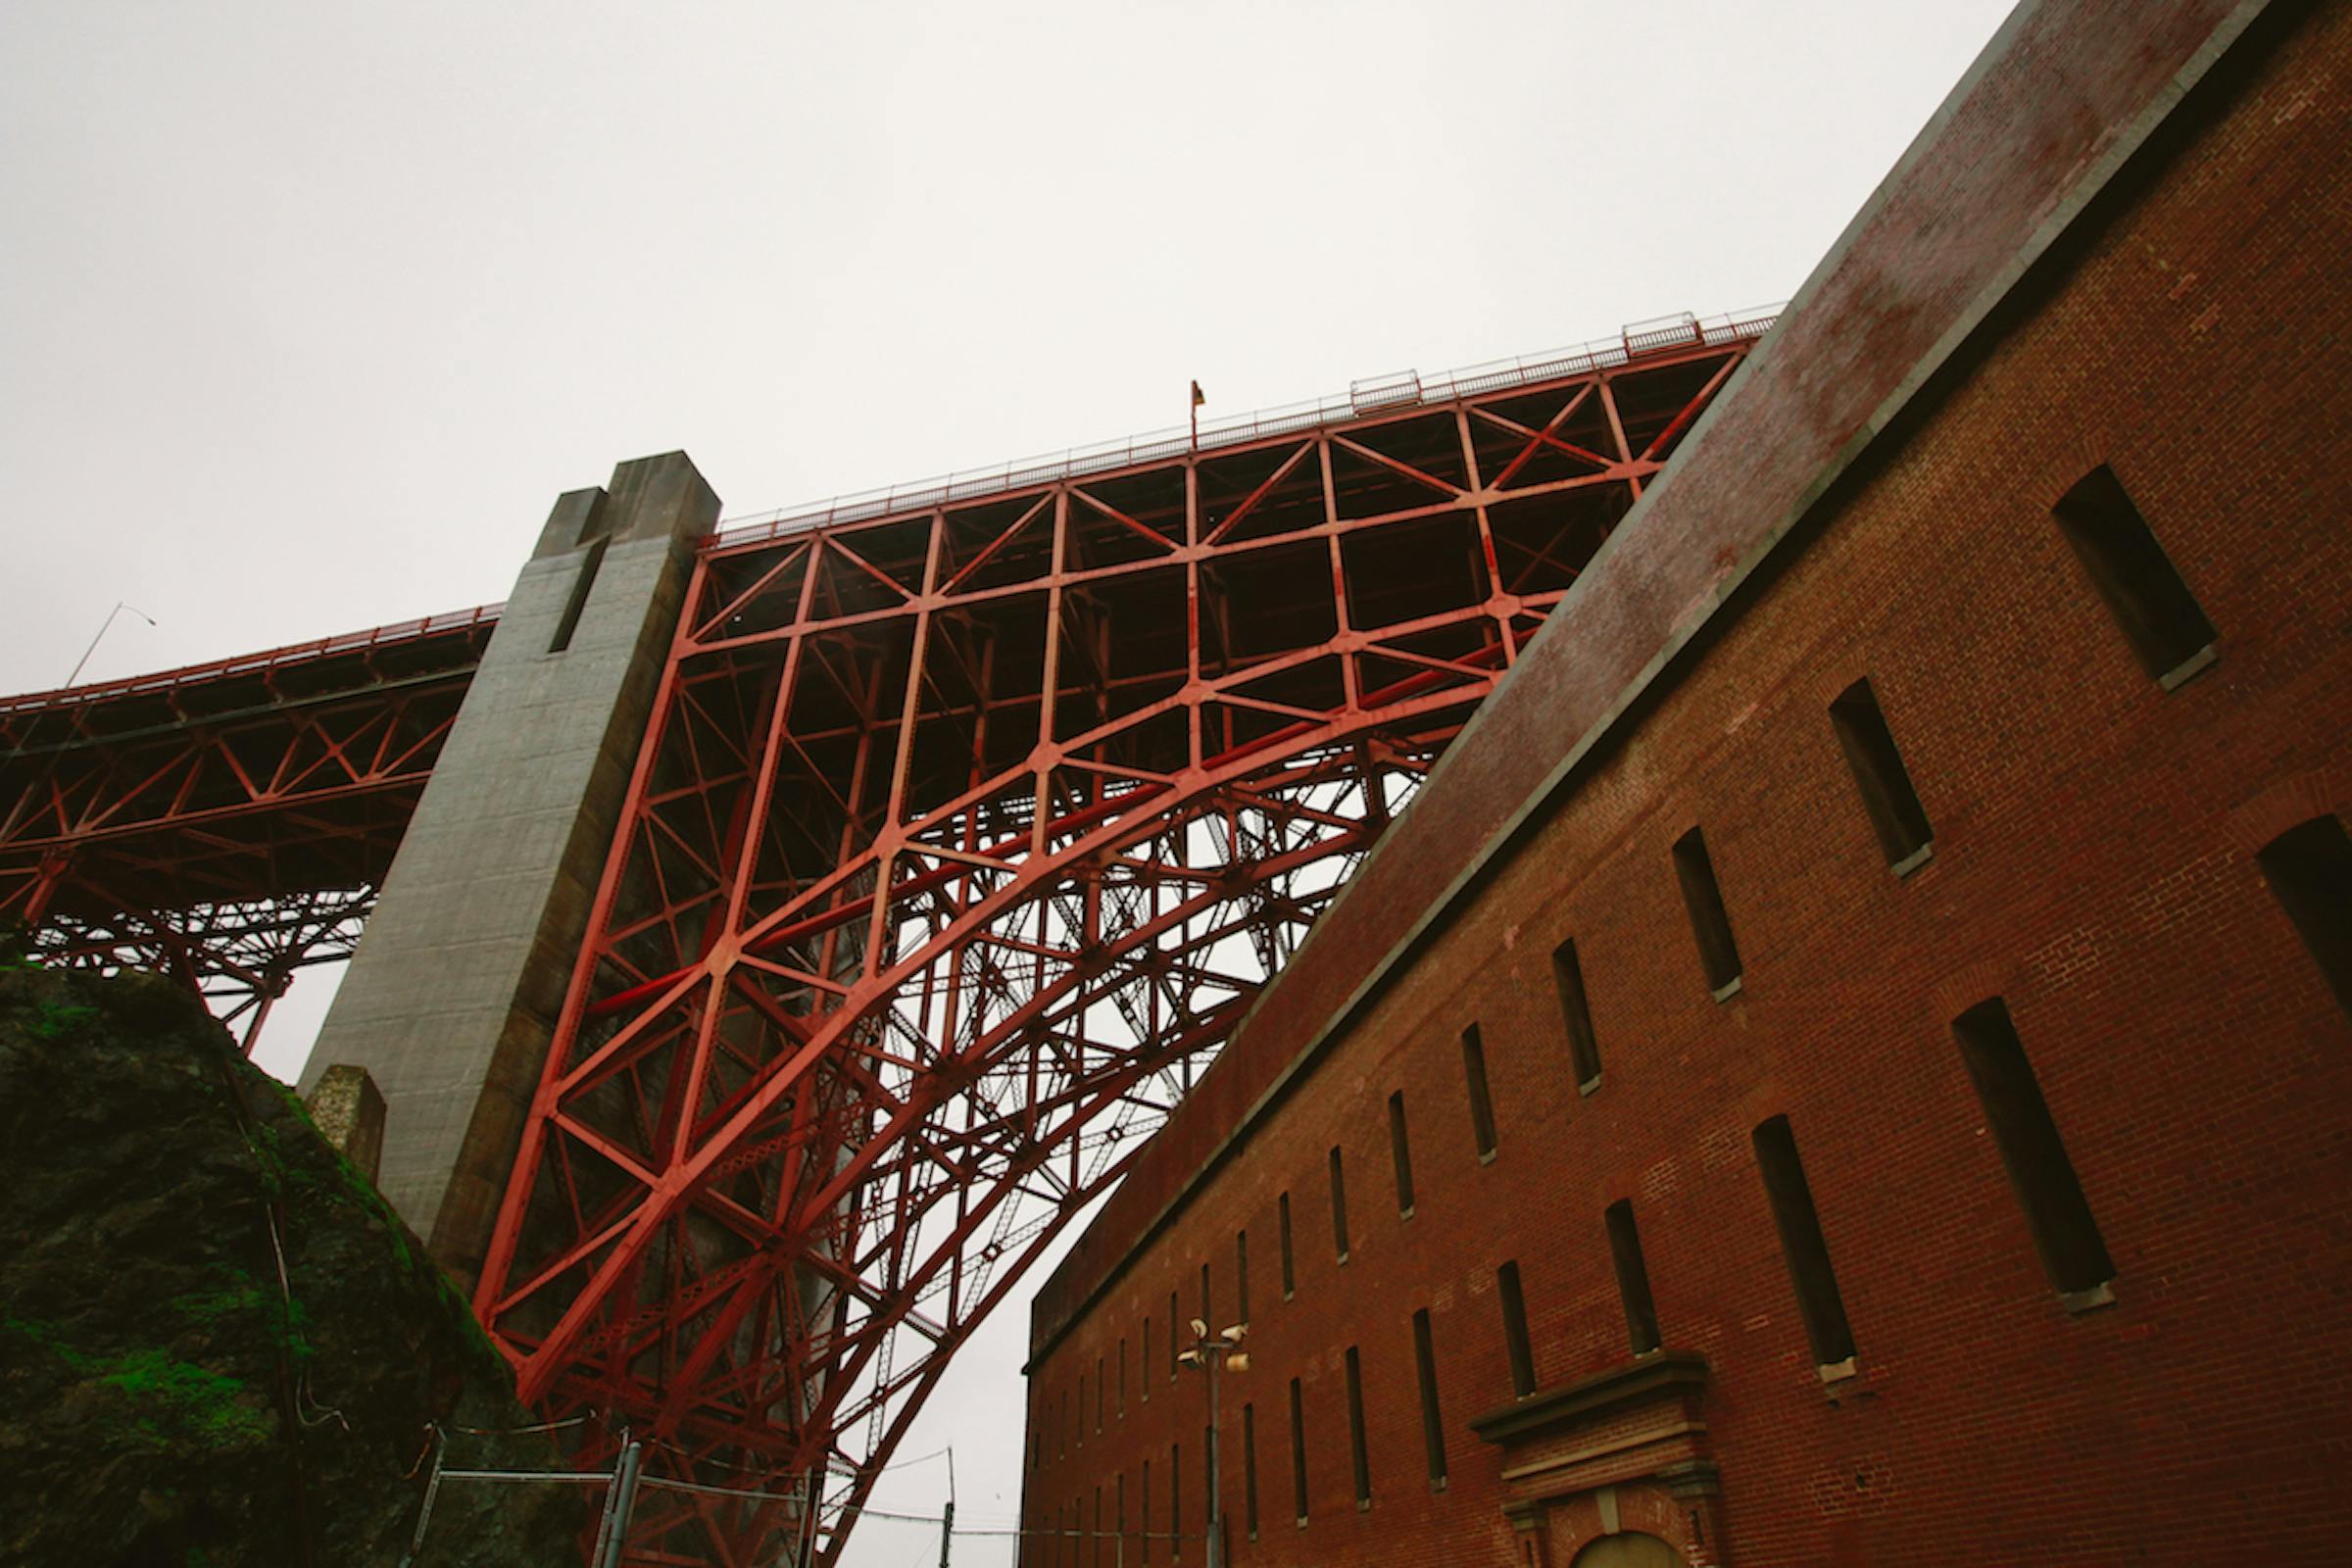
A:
{"points": [[1208, 1352]]}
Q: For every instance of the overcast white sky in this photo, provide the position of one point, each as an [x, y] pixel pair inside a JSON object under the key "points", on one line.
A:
{"points": [[308, 311]]}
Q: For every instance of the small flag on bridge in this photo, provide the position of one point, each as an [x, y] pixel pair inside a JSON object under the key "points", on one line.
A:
{"points": [[1199, 397]]}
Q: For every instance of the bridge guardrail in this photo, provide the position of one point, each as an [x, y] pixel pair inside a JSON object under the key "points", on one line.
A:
{"points": [[399, 631], [1374, 394]]}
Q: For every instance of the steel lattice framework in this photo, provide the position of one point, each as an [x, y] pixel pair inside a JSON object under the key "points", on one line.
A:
{"points": [[961, 840], [227, 823]]}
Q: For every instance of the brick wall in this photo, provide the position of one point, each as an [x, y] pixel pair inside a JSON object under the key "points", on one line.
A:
{"points": [[2093, 864]]}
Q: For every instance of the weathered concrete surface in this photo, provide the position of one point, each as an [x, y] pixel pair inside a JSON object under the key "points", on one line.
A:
{"points": [[452, 996], [348, 1109], [2043, 119]]}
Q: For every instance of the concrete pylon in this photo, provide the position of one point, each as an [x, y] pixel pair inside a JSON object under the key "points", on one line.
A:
{"points": [[452, 996]]}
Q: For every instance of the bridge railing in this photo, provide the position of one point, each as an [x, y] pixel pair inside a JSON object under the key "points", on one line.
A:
{"points": [[1378, 394], [399, 631]]}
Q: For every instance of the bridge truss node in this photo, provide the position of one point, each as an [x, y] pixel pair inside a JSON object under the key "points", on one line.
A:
{"points": [[961, 840]]}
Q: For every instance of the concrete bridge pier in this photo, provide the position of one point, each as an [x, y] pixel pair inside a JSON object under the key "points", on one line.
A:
{"points": [[452, 996]]}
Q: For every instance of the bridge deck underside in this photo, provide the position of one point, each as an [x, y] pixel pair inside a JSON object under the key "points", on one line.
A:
{"points": [[229, 824], [961, 841]]}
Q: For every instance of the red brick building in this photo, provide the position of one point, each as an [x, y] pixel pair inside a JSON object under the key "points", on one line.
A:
{"points": [[1850, 1060]]}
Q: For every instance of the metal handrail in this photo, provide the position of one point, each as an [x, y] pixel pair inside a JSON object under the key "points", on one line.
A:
{"points": [[1370, 395], [1375, 394], [399, 631]]}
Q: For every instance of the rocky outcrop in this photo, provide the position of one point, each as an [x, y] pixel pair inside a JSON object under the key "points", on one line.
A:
{"points": [[165, 1399]]}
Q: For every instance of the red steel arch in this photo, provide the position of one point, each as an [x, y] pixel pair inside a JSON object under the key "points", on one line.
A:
{"points": [[961, 839]]}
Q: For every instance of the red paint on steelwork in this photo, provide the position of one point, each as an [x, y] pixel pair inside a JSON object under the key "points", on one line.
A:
{"points": [[229, 822], [961, 840]]}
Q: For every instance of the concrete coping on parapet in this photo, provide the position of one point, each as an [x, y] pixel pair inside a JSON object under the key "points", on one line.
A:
{"points": [[2042, 123]]}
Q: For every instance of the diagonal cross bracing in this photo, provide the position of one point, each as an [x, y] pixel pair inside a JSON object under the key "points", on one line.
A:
{"points": [[961, 839]]}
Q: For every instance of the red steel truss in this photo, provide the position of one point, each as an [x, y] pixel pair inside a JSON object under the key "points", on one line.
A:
{"points": [[226, 823], [963, 838]]}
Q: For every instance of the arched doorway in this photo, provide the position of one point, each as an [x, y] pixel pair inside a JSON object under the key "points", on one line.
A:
{"points": [[1630, 1550]]}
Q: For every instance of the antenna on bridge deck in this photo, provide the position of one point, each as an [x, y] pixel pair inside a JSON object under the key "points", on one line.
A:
{"points": [[119, 606]]}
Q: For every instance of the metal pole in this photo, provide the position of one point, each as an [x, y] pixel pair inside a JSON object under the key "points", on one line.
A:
{"points": [[119, 606], [1215, 1359], [947, 1532], [624, 1504]]}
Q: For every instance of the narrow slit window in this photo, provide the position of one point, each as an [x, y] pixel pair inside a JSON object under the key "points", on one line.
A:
{"points": [[1081, 1429], [1098, 1394], [2153, 608], [1514, 1330], [1175, 1500], [1803, 1246], [578, 604], [2310, 872], [1146, 1500], [1718, 954], [1583, 1051], [1400, 1150], [1143, 1367], [1208, 1441], [1633, 1278], [1122, 1377], [2056, 1211], [1249, 1469], [1241, 1274], [1175, 1335], [1298, 1453], [1482, 1103], [1357, 1447], [1119, 1490], [1432, 1426], [1289, 1279], [1878, 773], [1098, 1552], [1062, 1428], [1208, 1304], [1338, 1205]]}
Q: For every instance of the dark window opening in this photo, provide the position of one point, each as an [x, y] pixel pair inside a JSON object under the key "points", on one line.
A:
{"points": [[1143, 1367], [1146, 1500], [1098, 1526], [1514, 1330], [1358, 1446], [574, 606], [1208, 1443], [2056, 1211], [1062, 1428], [1482, 1103], [1584, 1052], [1401, 1149], [1289, 1279], [1120, 1489], [1241, 1274], [2310, 872], [1433, 1427], [1122, 1377], [1338, 1205], [1878, 773], [1249, 1469], [1208, 1304], [1803, 1245], [1709, 922], [1175, 1335], [1633, 1278], [1298, 1453], [1175, 1500], [2153, 608], [1098, 1394]]}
